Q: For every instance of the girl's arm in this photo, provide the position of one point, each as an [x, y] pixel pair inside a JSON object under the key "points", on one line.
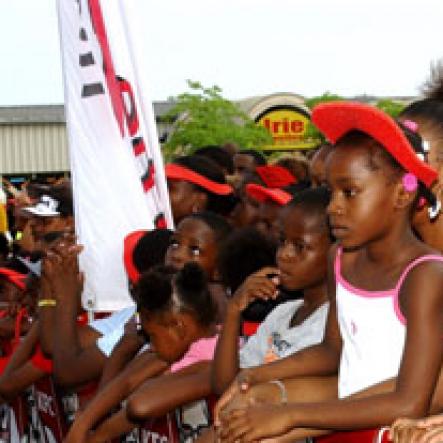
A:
{"points": [[157, 397], [226, 360], [141, 368], [74, 362], [421, 300], [24, 350], [125, 350], [226, 353], [15, 382], [20, 373]]}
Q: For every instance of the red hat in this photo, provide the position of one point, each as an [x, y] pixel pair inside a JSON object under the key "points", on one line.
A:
{"points": [[261, 194], [178, 172], [335, 119], [274, 176], [129, 244], [14, 277]]}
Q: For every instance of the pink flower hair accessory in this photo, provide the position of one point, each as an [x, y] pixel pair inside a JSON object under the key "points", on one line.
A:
{"points": [[410, 182], [411, 125]]}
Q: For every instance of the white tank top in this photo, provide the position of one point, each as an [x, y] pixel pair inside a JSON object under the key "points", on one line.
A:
{"points": [[373, 331]]}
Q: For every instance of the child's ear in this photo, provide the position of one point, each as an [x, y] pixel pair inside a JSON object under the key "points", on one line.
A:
{"points": [[178, 324], [403, 198]]}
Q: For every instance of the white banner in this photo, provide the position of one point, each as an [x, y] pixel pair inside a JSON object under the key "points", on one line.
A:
{"points": [[116, 163]]}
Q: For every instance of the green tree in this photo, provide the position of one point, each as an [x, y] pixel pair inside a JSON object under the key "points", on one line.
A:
{"points": [[391, 107], [203, 117]]}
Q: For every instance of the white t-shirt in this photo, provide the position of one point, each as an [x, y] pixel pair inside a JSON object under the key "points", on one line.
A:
{"points": [[275, 338]]}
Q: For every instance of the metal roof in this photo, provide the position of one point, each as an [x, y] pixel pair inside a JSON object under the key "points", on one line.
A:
{"points": [[54, 113]]}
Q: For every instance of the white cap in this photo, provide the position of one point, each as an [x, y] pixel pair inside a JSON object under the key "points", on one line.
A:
{"points": [[46, 207]]}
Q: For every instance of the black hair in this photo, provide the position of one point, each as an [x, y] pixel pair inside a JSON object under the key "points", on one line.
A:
{"points": [[259, 158], [218, 155], [4, 246], [156, 290], [296, 188], [313, 201], [63, 194], [431, 106], [151, 249], [221, 204], [218, 224], [245, 251]]}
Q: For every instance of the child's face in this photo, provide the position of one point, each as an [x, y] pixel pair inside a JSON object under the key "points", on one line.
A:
{"points": [[302, 254], [268, 219], [183, 196], [167, 335], [193, 241], [245, 211], [363, 200], [40, 226]]}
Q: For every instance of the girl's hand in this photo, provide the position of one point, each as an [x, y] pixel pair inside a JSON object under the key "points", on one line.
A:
{"points": [[253, 424], [262, 284], [238, 387], [61, 268]]}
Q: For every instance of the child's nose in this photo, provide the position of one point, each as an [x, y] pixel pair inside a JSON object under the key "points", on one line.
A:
{"points": [[178, 258], [334, 207]]}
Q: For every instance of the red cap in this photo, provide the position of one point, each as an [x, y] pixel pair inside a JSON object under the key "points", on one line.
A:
{"points": [[129, 244], [178, 172], [261, 194], [274, 176], [335, 119], [14, 277]]}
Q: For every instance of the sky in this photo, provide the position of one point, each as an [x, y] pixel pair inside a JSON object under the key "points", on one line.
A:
{"points": [[247, 47]]}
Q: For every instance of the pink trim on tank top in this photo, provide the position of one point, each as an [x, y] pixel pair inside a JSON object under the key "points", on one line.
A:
{"points": [[394, 293]]}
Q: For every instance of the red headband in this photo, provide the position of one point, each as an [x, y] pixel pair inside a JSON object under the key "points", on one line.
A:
{"points": [[14, 277], [129, 244], [178, 172], [335, 119], [274, 176], [261, 194]]}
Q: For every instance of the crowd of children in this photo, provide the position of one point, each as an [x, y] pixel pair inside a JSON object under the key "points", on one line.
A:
{"points": [[295, 300]]}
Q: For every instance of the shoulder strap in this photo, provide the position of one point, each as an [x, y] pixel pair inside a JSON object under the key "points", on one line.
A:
{"points": [[414, 263]]}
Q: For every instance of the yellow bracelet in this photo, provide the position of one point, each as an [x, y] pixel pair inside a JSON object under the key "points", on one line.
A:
{"points": [[47, 302]]}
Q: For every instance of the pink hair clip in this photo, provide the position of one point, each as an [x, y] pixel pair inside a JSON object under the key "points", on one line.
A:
{"points": [[410, 182], [411, 125]]}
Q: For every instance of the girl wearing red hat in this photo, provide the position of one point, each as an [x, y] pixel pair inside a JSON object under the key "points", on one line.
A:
{"points": [[386, 296]]}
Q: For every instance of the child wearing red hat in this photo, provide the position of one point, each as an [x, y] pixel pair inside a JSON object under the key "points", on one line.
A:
{"points": [[386, 296]]}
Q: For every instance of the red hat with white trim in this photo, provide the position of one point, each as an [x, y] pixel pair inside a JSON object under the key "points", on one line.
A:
{"points": [[335, 119]]}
